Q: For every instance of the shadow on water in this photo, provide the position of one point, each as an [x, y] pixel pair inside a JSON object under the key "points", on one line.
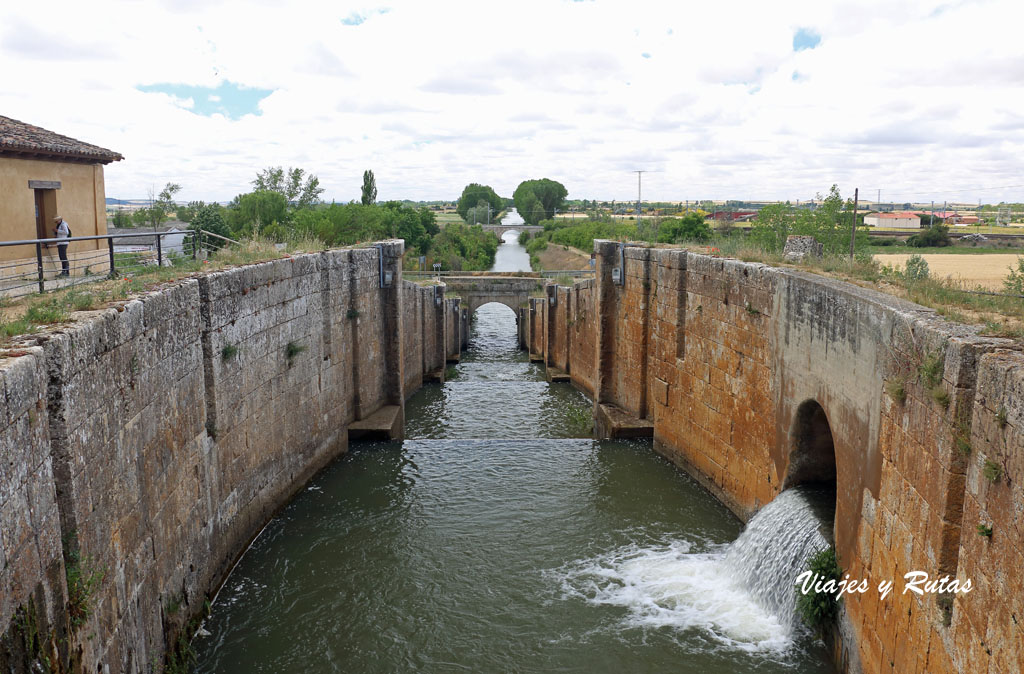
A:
{"points": [[496, 539]]}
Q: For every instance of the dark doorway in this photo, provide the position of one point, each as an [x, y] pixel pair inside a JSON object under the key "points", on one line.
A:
{"points": [[812, 455], [46, 211]]}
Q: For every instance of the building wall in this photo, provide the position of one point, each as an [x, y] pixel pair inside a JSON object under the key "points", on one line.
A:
{"points": [[80, 201], [892, 223]]}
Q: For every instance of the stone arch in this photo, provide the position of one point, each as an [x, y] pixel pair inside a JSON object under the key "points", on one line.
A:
{"points": [[512, 303], [812, 455]]}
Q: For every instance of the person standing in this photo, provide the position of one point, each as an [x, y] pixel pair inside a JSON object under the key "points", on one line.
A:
{"points": [[63, 232]]}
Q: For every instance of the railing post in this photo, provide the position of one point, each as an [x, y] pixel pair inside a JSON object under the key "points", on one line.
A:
{"points": [[195, 242], [110, 246], [39, 265], [159, 252]]}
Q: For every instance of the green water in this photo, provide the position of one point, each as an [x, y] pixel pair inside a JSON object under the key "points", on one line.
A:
{"points": [[497, 539]]}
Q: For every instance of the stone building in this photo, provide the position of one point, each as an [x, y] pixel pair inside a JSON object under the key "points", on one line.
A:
{"points": [[42, 175]]}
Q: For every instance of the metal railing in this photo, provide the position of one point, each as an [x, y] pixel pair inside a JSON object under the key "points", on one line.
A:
{"points": [[41, 268]]}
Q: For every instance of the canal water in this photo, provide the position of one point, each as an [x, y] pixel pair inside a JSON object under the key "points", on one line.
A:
{"points": [[499, 537]]}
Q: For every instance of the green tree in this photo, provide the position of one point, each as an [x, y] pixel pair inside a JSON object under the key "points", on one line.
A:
{"points": [[538, 200], [690, 227], [121, 218], [936, 236], [251, 212], [480, 214], [473, 194], [210, 218], [369, 188], [829, 223], [160, 205], [296, 191]]}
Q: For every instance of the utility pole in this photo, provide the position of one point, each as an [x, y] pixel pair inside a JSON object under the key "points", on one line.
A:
{"points": [[931, 221], [878, 204], [853, 226], [639, 174]]}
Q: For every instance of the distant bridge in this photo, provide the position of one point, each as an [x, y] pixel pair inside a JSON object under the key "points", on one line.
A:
{"points": [[500, 229], [513, 289]]}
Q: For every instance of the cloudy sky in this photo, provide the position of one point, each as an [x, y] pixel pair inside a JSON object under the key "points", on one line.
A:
{"points": [[722, 99]]}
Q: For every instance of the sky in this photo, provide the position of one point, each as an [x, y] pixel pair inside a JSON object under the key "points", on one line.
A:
{"points": [[714, 100]]}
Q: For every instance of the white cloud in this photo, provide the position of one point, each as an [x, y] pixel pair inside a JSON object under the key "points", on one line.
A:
{"points": [[905, 96]]}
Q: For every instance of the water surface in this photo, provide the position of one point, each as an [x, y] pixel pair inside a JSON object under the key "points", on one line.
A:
{"points": [[498, 538]]}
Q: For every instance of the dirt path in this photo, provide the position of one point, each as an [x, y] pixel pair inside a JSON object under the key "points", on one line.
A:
{"points": [[986, 270]]}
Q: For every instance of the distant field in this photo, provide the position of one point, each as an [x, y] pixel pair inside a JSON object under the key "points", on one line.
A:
{"points": [[987, 270], [445, 218], [946, 250]]}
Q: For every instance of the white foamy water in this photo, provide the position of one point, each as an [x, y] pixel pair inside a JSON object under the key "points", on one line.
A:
{"points": [[668, 586], [741, 595]]}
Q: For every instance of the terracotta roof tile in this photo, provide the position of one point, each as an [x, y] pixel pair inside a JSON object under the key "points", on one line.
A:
{"points": [[21, 138]]}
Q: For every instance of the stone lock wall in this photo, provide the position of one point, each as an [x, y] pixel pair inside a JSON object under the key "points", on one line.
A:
{"points": [[149, 442], [724, 358], [146, 444]]}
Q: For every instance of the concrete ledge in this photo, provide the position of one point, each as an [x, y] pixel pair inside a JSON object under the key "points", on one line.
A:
{"points": [[613, 422], [435, 377], [536, 358], [384, 424], [554, 374]]}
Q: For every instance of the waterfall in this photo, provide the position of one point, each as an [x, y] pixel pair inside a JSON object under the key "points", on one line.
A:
{"points": [[776, 544], [742, 594]]}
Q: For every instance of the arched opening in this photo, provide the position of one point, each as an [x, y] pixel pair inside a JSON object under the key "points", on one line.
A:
{"points": [[812, 454], [510, 236], [812, 462], [493, 332]]}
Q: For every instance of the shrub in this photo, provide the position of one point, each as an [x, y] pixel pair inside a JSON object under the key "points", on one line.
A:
{"points": [[931, 368], [897, 390], [1014, 281], [818, 609], [993, 471], [691, 227], [935, 236], [83, 578], [293, 349], [916, 269]]}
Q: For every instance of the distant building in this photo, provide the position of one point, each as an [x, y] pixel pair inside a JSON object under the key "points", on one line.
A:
{"points": [[893, 220], [42, 175], [732, 216]]}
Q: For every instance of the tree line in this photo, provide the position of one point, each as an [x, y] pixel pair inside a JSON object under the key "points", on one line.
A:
{"points": [[285, 206]]}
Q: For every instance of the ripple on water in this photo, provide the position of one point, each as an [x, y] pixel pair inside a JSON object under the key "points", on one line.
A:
{"points": [[489, 542]]}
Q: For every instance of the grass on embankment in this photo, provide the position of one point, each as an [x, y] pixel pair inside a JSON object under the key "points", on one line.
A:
{"points": [[28, 315], [1001, 315]]}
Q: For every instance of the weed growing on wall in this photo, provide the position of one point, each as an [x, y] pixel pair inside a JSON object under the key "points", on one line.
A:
{"points": [[228, 352], [293, 349], [930, 369], [84, 577], [985, 531], [945, 604], [992, 471], [897, 389], [818, 609]]}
